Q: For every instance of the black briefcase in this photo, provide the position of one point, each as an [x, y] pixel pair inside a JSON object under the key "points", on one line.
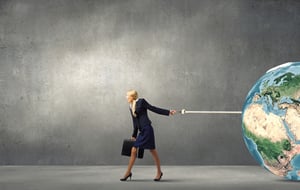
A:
{"points": [[126, 149]]}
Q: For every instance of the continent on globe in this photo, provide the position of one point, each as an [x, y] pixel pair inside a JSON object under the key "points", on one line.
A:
{"points": [[271, 120], [292, 119], [286, 85]]}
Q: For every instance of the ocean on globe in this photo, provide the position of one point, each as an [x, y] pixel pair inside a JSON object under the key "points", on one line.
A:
{"points": [[271, 121]]}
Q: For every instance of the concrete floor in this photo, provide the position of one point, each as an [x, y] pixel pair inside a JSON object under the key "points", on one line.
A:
{"points": [[107, 177]]}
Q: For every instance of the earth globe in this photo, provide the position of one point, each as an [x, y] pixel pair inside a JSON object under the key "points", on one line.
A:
{"points": [[271, 121]]}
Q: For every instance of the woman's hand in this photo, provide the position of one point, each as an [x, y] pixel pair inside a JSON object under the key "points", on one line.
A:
{"points": [[172, 112], [133, 138]]}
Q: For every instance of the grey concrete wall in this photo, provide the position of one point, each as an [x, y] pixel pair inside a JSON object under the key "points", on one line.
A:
{"points": [[65, 67]]}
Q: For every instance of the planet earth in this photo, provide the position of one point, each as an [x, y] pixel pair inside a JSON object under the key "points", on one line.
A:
{"points": [[271, 121]]}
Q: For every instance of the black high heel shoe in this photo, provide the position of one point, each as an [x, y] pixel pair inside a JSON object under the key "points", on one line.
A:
{"points": [[125, 178], [158, 179]]}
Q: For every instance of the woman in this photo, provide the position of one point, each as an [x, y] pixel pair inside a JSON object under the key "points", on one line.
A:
{"points": [[142, 123]]}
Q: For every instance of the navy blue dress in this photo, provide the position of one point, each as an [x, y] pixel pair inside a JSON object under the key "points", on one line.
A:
{"points": [[142, 123]]}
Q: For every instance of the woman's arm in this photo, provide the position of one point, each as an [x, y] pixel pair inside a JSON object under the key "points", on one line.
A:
{"points": [[157, 109], [135, 128], [135, 131]]}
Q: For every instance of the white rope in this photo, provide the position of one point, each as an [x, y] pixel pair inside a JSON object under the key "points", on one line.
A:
{"points": [[183, 111]]}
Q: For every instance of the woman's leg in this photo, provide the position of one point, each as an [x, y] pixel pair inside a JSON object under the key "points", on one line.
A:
{"points": [[157, 162], [131, 161]]}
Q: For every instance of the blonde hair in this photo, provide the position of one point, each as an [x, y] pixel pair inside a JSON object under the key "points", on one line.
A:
{"points": [[134, 94]]}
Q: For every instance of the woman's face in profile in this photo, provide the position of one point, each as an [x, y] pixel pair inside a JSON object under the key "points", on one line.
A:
{"points": [[129, 98]]}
